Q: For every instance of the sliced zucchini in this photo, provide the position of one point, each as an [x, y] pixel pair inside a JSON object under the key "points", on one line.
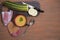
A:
{"points": [[33, 12]]}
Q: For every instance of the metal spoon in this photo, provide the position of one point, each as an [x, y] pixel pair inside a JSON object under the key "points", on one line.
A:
{"points": [[31, 22]]}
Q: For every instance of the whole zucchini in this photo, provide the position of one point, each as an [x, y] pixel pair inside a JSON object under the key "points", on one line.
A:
{"points": [[15, 6]]}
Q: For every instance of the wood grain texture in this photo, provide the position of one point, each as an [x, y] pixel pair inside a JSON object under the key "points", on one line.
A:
{"points": [[46, 27]]}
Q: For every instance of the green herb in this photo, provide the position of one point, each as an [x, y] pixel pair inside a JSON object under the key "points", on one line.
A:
{"points": [[21, 19]]}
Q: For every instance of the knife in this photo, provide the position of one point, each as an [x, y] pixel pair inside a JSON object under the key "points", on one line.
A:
{"points": [[30, 6]]}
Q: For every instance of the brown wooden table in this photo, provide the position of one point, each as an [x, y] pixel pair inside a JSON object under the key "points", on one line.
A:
{"points": [[46, 27]]}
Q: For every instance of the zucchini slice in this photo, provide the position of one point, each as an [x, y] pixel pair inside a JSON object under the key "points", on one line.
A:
{"points": [[33, 12]]}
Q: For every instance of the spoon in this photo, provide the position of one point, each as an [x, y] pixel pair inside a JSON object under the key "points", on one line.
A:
{"points": [[31, 22]]}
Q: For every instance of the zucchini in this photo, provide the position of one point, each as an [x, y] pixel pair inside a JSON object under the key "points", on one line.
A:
{"points": [[33, 12], [15, 6]]}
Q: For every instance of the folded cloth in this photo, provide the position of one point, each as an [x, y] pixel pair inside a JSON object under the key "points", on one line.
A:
{"points": [[13, 30], [6, 16]]}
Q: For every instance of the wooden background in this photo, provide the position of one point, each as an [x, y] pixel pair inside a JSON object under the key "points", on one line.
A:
{"points": [[46, 27]]}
